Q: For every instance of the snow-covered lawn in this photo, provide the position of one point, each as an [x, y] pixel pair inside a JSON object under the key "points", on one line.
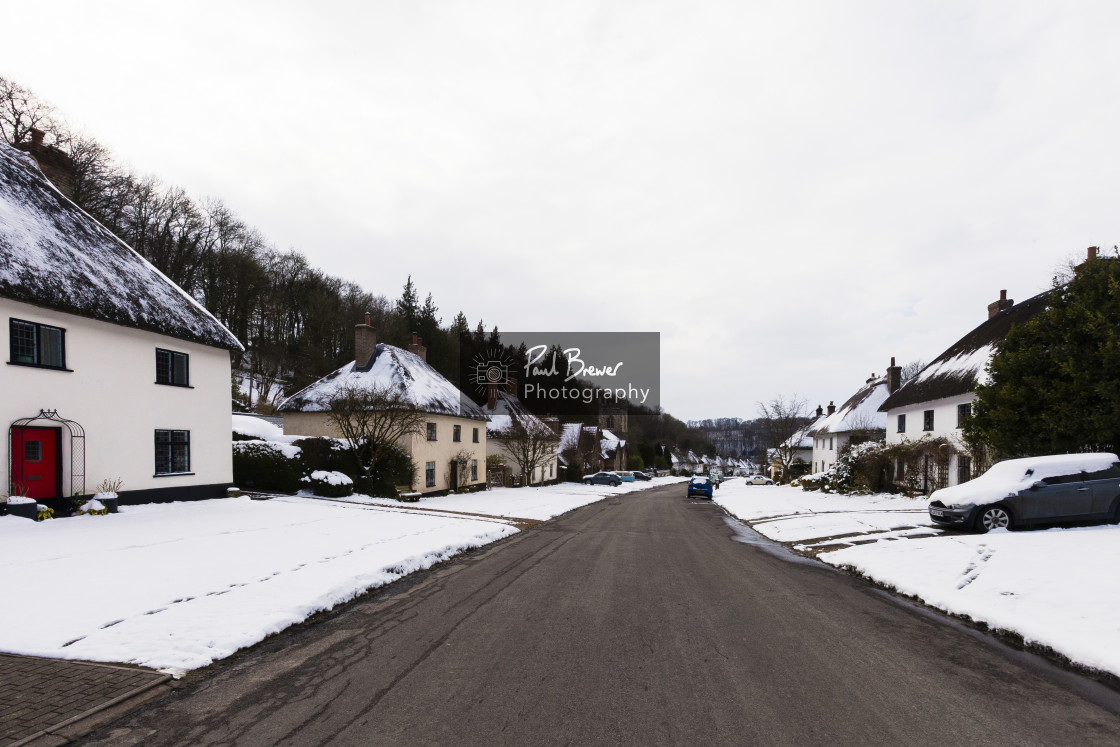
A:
{"points": [[177, 586], [525, 503], [1055, 587]]}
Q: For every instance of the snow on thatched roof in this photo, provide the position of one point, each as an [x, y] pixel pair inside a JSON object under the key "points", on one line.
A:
{"points": [[569, 435], [803, 439], [859, 412], [962, 366], [508, 409], [609, 444], [54, 255], [397, 370]]}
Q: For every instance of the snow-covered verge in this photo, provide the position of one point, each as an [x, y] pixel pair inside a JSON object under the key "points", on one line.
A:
{"points": [[177, 586], [1053, 587], [524, 503]]}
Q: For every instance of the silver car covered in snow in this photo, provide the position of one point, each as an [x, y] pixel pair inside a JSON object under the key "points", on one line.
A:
{"points": [[1035, 490]]}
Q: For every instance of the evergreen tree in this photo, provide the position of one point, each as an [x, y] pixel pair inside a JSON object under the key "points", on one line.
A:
{"points": [[408, 307], [1054, 381]]}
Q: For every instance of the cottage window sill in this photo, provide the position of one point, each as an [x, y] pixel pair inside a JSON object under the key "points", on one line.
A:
{"points": [[37, 365], [168, 383], [172, 474]]}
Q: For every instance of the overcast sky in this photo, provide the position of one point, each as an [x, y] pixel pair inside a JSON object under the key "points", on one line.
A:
{"points": [[789, 192]]}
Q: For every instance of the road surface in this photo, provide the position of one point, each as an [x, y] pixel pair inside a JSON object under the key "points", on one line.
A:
{"points": [[642, 619]]}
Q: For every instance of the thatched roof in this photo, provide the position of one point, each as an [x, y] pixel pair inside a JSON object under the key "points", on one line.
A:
{"points": [[958, 369]]}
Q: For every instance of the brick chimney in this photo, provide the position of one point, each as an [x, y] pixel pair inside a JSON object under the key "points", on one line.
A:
{"points": [[1091, 252], [55, 164], [365, 343], [820, 411], [1002, 304], [894, 377], [831, 408], [417, 347]]}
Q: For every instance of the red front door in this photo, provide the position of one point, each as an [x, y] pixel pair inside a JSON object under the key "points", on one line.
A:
{"points": [[35, 462]]}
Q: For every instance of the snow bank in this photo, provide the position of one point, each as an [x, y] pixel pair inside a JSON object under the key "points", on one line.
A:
{"points": [[330, 478]]}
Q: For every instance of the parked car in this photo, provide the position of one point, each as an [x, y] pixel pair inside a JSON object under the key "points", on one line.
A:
{"points": [[1035, 490], [642, 476], [603, 478], [626, 476], [701, 486], [759, 480]]}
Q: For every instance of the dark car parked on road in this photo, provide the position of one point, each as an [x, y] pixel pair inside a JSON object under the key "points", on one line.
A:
{"points": [[641, 476], [603, 478], [1036, 490], [701, 486]]}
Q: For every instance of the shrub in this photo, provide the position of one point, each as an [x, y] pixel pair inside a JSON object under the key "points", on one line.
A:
{"points": [[327, 455], [329, 484], [394, 468], [264, 465]]}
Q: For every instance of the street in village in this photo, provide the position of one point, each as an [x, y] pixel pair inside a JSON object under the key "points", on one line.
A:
{"points": [[643, 617]]}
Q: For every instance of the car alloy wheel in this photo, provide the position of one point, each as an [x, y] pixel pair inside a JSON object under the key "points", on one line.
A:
{"points": [[993, 517]]}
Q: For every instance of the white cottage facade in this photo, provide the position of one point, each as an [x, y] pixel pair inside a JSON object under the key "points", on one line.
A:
{"points": [[113, 372]]}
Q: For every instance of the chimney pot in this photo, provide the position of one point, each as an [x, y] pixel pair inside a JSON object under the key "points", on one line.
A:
{"points": [[417, 347], [1092, 252], [831, 408], [1002, 304], [368, 322]]}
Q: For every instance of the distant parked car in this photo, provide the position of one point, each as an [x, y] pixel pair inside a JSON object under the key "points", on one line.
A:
{"points": [[759, 480], [642, 476], [603, 478], [1035, 490], [701, 486], [626, 476]]}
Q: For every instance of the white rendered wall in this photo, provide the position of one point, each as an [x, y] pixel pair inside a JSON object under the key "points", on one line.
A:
{"points": [[111, 392]]}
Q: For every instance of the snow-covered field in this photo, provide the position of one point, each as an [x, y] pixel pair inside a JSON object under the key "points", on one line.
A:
{"points": [[177, 586], [1054, 587]]}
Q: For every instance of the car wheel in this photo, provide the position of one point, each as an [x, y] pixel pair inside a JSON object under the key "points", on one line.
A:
{"points": [[992, 517]]}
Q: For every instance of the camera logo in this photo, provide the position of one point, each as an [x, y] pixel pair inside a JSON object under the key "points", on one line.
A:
{"points": [[491, 369]]}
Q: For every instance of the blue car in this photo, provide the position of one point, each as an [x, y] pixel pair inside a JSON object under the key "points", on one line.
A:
{"points": [[700, 486]]}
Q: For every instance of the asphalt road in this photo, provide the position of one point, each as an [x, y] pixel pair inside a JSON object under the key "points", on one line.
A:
{"points": [[638, 620]]}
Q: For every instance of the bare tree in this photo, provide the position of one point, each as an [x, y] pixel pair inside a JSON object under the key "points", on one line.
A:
{"points": [[20, 110], [911, 369], [781, 420], [373, 420], [530, 443]]}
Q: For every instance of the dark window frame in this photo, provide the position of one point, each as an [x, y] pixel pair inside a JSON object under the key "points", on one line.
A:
{"points": [[901, 423], [432, 432], [169, 444], [963, 411], [456, 433], [36, 345], [927, 420], [171, 369], [475, 437], [964, 469], [429, 474]]}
